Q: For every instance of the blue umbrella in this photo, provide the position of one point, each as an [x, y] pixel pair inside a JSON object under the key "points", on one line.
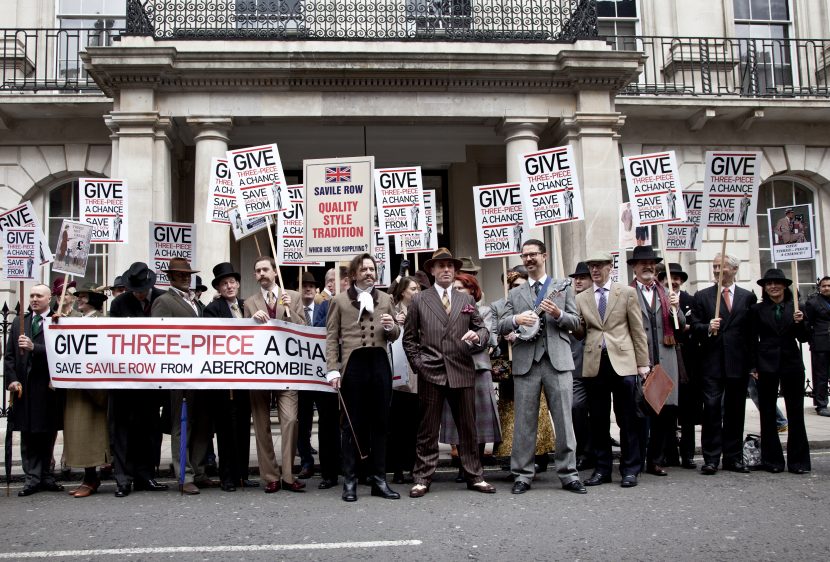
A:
{"points": [[183, 446]]}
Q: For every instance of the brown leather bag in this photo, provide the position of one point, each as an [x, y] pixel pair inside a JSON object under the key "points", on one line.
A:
{"points": [[657, 388]]}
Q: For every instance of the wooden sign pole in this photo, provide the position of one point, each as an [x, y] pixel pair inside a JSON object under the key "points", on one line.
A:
{"points": [[279, 272], [720, 278]]}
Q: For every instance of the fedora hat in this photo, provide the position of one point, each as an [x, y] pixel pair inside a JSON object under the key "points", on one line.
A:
{"points": [[674, 269], [199, 285], [95, 294], [642, 253], [179, 265], [222, 270], [139, 278], [581, 269], [308, 277], [774, 274], [599, 257], [442, 254], [468, 265], [117, 282]]}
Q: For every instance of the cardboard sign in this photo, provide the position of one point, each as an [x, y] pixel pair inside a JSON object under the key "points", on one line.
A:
{"points": [[341, 207], [380, 251], [426, 241], [73, 248], [685, 236], [258, 180], [221, 193], [400, 200], [290, 230], [730, 189], [170, 240], [181, 353], [550, 187], [242, 228], [21, 246], [792, 234], [500, 221], [654, 188], [630, 235], [615, 267], [103, 204], [23, 215]]}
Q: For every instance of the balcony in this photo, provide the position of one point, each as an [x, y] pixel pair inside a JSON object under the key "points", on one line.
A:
{"points": [[729, 67]]}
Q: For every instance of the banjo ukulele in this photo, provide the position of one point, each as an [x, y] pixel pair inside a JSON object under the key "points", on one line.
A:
{"points": [[530, 333]]}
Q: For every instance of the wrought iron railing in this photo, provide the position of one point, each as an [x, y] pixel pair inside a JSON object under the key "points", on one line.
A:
{"points": [[725, 66], [48, 59], [397, 20]]}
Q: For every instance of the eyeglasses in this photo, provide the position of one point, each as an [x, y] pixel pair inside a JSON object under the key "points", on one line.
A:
{"points": [[530, 255]]}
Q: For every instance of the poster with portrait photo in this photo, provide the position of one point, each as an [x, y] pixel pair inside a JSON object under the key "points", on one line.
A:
{"points": [[73, 248], [792, 233], [630, 235]]}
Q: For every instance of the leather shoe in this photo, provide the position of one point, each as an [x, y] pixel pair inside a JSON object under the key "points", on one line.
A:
{"points": [[824, 412], [295, 486], [419, 490], [799, 470], [656, 470], [189, 488], [122, 491], [773, 469], [272, 487], [306, 472], [349, 490], [149, 485], [688, 463], [629, 481], [327, 483], [482, 487], [228, 486], [519, 487], [207, 483], [709, 469], [249, 484], [575, 486], [86, 490], [738, 467], [28, 491], [51, 487], [598, 478], [381, 489]]}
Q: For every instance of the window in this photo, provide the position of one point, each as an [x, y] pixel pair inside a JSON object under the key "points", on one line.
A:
{"points": [[268, 14], [766, 62], [781, 193], [87, 23], [618, 18], [63, 204]]}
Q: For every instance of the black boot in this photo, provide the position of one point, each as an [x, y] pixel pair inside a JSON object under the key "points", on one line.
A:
{"points": [[459, 478], [349, 462], [381, 488]]}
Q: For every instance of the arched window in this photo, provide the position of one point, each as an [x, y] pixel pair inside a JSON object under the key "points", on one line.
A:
{"points": [[63, 204], [782, 192]]}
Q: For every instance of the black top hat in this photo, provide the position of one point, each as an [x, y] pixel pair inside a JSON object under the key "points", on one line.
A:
{"points": [[199, 286], [308, 277], [442, 254], [581, 269], [139, 278], [644, 253], [675, 269], [222, 270], [774, 274]]}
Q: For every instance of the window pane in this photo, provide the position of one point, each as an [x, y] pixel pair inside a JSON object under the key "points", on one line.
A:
{"points": [[806, 274], [764, 198], [70, 7], [626, 28], [802, 195], [780, 10], [766, 260], [741, 8], [763, 231], [60, 201], [783, 193], [626, 9], [606, 8], [606, 28], [759, 9]]}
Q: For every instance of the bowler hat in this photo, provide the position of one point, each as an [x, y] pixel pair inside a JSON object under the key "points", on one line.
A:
{"points": [[599, 257], [642, 253], [468, 265], [179, 265], [674, 269], [139, 278], [222, 270], [774, 274], [442, 254], [581, 269], [308, 277]]}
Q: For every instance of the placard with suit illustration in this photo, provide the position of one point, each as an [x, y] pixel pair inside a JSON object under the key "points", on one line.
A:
{"points": [[21, 215], [289, 230], [550, 187], [654, 188], [792, 233], [103, 205], [427, 240], [73, 248], [400, 200], [501, 228], [20, 253], [258, 180], [170, 240], [685, 236], [221, 193], [730, 188]]}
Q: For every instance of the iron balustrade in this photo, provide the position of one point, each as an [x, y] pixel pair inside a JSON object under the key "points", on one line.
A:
{"points": [[48, 59], [728, 66], [365, 20]]}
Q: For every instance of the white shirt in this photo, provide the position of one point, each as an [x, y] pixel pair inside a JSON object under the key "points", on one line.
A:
{"points": [[647, 291], [533, 283], [187, 297], [275, 289], [597, 293], [441, 290]]}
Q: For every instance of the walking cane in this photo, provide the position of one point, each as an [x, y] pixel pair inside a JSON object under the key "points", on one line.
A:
{"points": [[349, 419]]}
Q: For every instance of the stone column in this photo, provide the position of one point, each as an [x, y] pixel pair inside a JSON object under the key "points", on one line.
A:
{"points": [[213, 240]]}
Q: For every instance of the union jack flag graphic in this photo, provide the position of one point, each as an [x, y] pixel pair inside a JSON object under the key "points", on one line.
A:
{"points": [[339, 174]]}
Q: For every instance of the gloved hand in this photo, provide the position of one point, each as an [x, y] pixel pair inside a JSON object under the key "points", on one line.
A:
{"points": [[404, 267]]}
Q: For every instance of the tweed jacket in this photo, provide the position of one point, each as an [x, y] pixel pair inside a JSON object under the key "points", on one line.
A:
{"points": [[172, 305], [257, 302]]}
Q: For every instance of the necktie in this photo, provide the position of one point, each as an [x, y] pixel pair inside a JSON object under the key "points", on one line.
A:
{"points": [[307, 315], [603, 302], [271, 300], [36, 321], [445, 300], [779, 312], [727, 298], [235, 310], [536, 288], [146, 307]]}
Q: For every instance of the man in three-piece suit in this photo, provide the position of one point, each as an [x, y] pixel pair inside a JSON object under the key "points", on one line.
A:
{"points": [[232, 408], [180, 302], [37, 410], [133, 414], [579, 409], [361, 321], [614, 360], [270, 302], [443, 329], [818, 315], [724, 367], [544, 363]]}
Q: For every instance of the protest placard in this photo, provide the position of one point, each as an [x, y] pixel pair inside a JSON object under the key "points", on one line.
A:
{"points": [[242, 228], [550, 187], [103, 205], [630, 235], [730, 189], [380, 251], [341, 207], [500, 222], [400, 200], [426, 241], [258, 180], [182, 353], [170, 240], [21, 245], [792, 233], [616, 273], [290, 230], [654, 188], [73, 248], [22, 215], [221, 193], [685, 236]]}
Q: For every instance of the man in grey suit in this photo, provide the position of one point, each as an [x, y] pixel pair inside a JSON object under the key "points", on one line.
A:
{"points": [[543, 363]]}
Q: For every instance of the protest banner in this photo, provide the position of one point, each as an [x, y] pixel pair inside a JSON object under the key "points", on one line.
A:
{"points": [[654, 188], [685, 236], [22, 215], [500, 221], [426, 241], [290, 231], [21, 245], [730, 189], [242, 228], [550, 187], [170, 240], [221, 193], [258, 180], [185, 353], [792, 233], [103, 205], [73, 248], [629, 235], [400, 200], [338, 223], [380, 251]]}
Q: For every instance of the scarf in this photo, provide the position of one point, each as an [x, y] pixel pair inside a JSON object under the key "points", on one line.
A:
{"points": [[668, 325], [364, 299]]}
